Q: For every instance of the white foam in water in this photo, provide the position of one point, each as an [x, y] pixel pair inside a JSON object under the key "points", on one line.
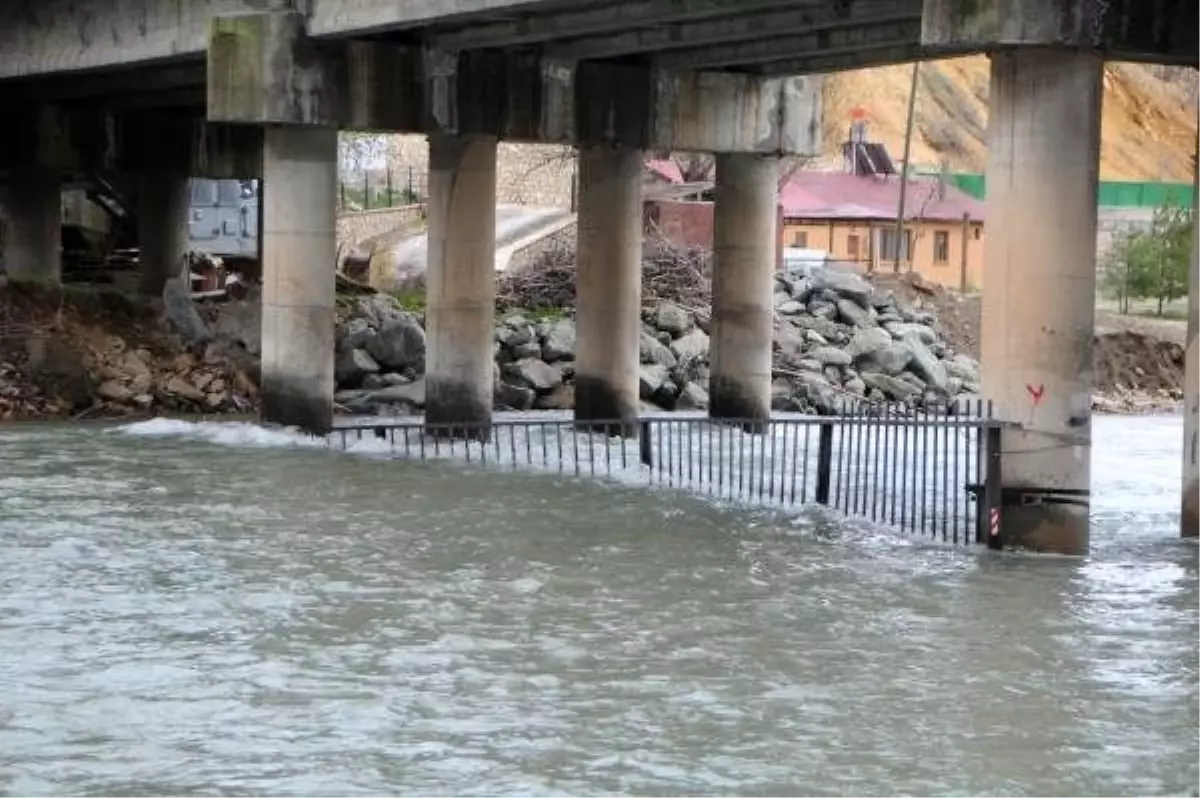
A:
{"points": [[223, 433]]}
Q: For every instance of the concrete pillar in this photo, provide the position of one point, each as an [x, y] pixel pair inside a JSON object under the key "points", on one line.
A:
{"points": [[298, 251], [33, 252], [744, 250], [460, 287], [1040, 276], [162, 228], [1190, 516], [608, 286]]}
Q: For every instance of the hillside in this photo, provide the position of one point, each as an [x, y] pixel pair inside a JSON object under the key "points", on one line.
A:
{"points": [[1149, 128]]}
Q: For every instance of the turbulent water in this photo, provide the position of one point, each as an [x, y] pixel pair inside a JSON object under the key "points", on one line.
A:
{"points": [[205, 609]]}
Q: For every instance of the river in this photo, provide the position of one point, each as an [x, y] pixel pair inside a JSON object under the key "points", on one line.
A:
{"points": [[215, 608]]}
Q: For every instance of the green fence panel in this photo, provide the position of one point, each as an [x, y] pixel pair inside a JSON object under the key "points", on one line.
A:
{"points": [[1111, 193]]}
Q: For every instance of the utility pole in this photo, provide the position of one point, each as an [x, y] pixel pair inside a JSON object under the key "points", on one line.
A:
{"points": [[908, 129]]}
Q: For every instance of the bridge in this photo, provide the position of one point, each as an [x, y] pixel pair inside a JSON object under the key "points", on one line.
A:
{"points": [[259, 88]]}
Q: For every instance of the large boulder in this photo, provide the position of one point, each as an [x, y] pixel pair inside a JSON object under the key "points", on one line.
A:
{"points": [[412, 393], [892, 360], [651, 378], [671, 318], [507, 396], [354, 334], [963, 367], [399, 344], [901, 330], [692, 397], [691, 346], [352, 366], [925, 364], [830, 356], [653, 351], [889, 386], [845, 284], [868, 341], [559, 342], [855, 314], [534, 373], [514, 331]]}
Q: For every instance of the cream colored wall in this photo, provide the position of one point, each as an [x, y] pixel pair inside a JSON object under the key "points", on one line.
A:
{"points": [[834, 237]]}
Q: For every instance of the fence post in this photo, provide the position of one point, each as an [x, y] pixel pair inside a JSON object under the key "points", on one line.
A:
{"points": [[645, 446], [366, 191], [389, 186], [992, 490], [341, 193], [824, 462]]}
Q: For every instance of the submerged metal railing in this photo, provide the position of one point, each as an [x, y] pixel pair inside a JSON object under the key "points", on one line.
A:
{"points": [[927, 472]]}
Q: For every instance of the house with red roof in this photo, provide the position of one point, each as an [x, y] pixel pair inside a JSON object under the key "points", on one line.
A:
{"points": [[853, 218]]}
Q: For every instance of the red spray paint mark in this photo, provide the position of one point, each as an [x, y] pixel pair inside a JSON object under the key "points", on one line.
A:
{"points": [[1037, 392]]}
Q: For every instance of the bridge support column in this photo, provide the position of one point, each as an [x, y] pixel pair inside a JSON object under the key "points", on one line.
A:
{"points": [[298, 251], [1039, 306], [744, 256], [1190, 516], [162, 228], [608, 286], [33, 253], [461, 283]]}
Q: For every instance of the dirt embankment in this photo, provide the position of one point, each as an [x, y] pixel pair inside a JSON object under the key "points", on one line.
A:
{"points": [[1148, 124], [1138, 361], [76, 353]]}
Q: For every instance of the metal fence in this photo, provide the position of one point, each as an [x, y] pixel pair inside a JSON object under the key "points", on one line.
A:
{"points": [[367, 191], [929, 473]]}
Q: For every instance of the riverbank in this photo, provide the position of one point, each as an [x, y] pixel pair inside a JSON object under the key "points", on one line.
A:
{"points": [[839, 340]]}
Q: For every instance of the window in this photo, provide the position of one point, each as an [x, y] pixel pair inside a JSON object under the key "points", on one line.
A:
{"points": [[852, 247], [800, 239], [887, 243], [941, 247], [978, 232]]}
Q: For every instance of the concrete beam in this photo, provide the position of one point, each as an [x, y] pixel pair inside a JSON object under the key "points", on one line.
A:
{"points": [[728, 113], [263, 68], [597, 20], [843, 59], [359, 17], [691, 34], [1162, 32], [890, 30], [39, 37]]}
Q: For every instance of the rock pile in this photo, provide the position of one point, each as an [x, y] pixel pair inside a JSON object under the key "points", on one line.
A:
{"points": [[838, 340]]}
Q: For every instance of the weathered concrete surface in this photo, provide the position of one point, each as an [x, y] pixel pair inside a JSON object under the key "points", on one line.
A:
{"points": [[299, 192], [608, 285], [162, 228], [1190, 506], [40, 37], [1164, 32], [1043, 146], [744, 238], [719, 112], [460, 286], [33, 205]]}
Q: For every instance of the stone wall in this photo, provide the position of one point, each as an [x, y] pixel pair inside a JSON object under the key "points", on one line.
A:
{"points": [[526, 174], [561, 240], [357, 226]]}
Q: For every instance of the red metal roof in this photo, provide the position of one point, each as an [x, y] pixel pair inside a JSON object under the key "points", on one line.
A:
{"points": [[665, 168], [837, 195]]}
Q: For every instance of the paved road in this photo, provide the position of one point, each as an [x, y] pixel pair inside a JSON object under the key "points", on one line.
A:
{"points": [[513, 223]]}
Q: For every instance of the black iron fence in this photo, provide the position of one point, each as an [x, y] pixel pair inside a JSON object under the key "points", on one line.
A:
{"points": [[928, 473], [387, 189]]}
